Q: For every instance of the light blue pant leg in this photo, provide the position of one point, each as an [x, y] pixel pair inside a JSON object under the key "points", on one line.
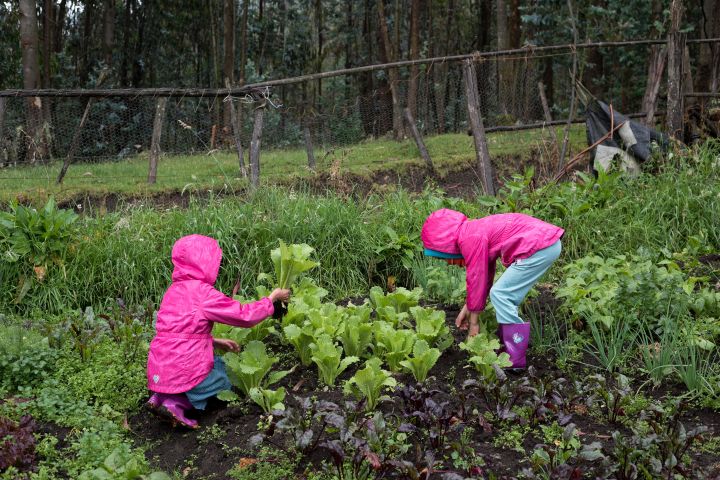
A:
{"points": [[216, 381], [513, 285]]}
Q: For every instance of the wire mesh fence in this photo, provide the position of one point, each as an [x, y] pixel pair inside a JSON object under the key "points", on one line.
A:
{"points": [[336, 111]]}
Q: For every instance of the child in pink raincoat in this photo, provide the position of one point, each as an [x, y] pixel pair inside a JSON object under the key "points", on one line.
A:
{"points": [[525, 245], [182, 371]]}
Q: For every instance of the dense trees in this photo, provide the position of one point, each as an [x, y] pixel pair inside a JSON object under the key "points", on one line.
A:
{"points": [[67, 43]]}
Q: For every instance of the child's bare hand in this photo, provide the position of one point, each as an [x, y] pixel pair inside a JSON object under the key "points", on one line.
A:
{"points": [[461, 321], [282, 294], [226, 345]]}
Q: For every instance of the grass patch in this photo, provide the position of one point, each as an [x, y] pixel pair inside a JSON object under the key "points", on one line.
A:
{"points": [[219, 170]]}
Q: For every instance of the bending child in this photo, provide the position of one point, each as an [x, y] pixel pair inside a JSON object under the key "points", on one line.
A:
{"points": [[525, 245], [182, 371]]}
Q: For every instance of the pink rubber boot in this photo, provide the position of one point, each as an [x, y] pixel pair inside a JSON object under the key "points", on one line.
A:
{"points": [[172, 407], [515, 337]]}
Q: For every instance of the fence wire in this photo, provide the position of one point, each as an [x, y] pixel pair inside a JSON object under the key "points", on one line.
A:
{"points": [[337, 111]]}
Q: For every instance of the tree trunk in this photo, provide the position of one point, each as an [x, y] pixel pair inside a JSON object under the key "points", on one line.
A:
{"points": [[156, 137], [414, 55], [504, 66], [88, 20], [48, 52], [124, 64], [548, 119], [389, 57], [36, 150], [656, 66], [228, 59], [477, 128], [215, 63], [676, 53], [708, 64], [243, 41], [60, 13], [108, 32]]}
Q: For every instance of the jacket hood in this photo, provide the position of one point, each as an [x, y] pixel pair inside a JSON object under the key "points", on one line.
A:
{"points": [[196, 257], [440, 231]]}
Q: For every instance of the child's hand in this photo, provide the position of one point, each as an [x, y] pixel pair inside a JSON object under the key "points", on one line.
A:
{"points": [[282, 294], [461, 321], [226, 345]]}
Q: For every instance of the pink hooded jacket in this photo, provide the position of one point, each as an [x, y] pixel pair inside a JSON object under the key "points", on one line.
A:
{"points": [[508, 236], [181, 354]]}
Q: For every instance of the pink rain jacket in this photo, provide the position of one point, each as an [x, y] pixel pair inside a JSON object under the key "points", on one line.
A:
{"points": [[508, 236], [181, 354]]}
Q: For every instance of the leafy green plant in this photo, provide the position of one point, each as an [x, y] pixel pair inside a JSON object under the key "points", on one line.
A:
{"points": [[248, 369], [356, 333], [550, 461], [430, 326], [368, 383], [658, 356], [423, 359], [122, 464], [441, 283], [611, 395], [300, 338], [25, 357], [400, 300], [36, 239], [269, 400], [290, 261], [483, 354], [393, 346], [398, 247], [327, 358]]}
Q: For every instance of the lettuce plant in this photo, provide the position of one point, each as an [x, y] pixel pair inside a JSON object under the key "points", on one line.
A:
{"points": [[300, 337], [248, 369], [400, 300], [17, 443], [483, 354], [367, 384], [356, 334], [268, 400], [290, 261], [430, 326], [327, 358], [423, 359], [393, 345]]}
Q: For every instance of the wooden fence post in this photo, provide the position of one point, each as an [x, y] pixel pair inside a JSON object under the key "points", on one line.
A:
{"points": [[548, 118], [478, 130], [255, 145], [309, 146], [236, 132], [75, 144], [3, 159], [418, 140], [156, 136]]}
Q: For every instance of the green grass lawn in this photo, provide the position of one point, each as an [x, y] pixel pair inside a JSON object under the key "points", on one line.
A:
{"points": [[218, 170]]}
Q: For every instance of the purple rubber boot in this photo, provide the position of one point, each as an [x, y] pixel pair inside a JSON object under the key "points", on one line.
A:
{"points": [[172, 407], [515, 338]]}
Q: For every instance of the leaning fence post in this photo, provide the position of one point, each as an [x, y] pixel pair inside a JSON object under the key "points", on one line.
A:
{"points": [[236, 131], [476, 125], [418, 140], [548, 118], [255, 145], [309, 146], [75, 144], [156, 135]]}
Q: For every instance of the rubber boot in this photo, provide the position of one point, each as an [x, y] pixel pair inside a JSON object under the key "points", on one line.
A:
{"points": [[173, 407], [154, 401], [515, 337]]}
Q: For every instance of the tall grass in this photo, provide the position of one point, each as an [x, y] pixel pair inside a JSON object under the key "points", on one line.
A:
{"points": [[127, 253]]}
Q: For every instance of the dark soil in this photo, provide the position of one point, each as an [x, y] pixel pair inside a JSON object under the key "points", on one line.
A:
{"points": [[222, 441]]}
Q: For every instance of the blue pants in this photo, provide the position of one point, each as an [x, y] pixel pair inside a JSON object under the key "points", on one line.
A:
{"points": [[216, 381], [513, 285]]}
